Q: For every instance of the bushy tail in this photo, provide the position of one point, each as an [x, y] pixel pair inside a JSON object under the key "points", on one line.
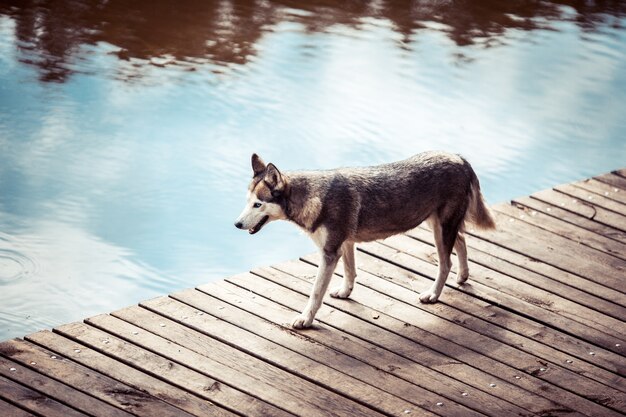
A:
{"points": [[477, 212]]}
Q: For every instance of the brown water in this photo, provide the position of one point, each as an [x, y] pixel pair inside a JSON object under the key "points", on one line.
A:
{"points": [[126, 127]]}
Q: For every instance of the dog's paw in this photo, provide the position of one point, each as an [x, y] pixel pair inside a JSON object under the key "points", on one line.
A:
{"points": [[302, 321], [462, 276], [428, 297], [341, 292]]}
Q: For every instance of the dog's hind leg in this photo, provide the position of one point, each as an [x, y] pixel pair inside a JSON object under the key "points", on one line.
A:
{"points": [[461, 253], [445, 236], [324, 274], [349, 272]]}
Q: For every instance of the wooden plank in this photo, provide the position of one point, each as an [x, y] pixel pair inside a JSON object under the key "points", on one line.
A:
{"points": [[467, 304], [159, 366], [575, 219], [86, 380], [515, 295], [576, 234], [618, 210], [466, 301], [520, 332], [10, 410], [34, 401], [557, 251], [296, 353], [505, 258], [132, 377], [305, 396], [389, 351], [582, 208], [405, 319], [613, 179], [440, 389], [57, 390], [501, 260], [268, 384], [590, 325], [612, 193]]}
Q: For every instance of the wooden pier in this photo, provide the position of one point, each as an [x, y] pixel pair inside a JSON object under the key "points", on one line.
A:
{"points": [[539, 329]]}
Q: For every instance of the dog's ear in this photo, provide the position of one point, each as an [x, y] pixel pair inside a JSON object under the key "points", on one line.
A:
{"points": [[275, 180], [258, 166]]}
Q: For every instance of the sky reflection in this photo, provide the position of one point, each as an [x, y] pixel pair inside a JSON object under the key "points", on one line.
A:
{"points": [[125, 145]]}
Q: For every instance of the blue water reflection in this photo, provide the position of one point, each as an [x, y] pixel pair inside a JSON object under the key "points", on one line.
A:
{"points": [[124, 153]]}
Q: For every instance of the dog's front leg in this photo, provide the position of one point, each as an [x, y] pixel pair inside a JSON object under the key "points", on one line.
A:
{"points": [[324, 274]]}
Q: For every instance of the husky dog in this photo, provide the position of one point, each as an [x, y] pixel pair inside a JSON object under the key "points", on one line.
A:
{"points": [[341, 207]]}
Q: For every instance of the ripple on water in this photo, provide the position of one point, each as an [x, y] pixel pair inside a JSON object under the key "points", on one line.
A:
{"points": [[14, 265]]}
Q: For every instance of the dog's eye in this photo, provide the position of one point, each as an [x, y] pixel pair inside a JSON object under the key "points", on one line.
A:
{"points": [[256, 205]]}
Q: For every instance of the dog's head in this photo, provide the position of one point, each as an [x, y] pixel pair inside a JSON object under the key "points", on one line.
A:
{"points": [[265, 195]]}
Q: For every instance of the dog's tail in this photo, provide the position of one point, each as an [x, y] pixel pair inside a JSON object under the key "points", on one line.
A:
{"points": [[477, 212]]}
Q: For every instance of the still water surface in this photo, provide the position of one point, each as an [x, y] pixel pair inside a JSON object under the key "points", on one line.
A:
{"points": [[126, 127]]}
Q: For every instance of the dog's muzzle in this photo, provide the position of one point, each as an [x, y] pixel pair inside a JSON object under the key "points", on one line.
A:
{"points": [[256, 228]]}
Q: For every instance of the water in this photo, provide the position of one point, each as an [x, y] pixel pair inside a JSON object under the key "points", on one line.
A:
{"points": [[126, 128]]}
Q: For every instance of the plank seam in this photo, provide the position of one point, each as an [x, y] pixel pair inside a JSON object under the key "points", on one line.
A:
{"points": [[156, 375], [496, 243], [20, 406], [618, 173], [269, 362], [55, 398], [530, 283], [379, 346], [510, 310], [553, 232], [595, 208], [563, 389]]}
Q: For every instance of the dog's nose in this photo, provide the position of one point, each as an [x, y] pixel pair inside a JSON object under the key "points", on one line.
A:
{"points": [[238, 225]]}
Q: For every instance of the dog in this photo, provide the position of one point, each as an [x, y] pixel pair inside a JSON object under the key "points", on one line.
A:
{"points": [[341, 207]]}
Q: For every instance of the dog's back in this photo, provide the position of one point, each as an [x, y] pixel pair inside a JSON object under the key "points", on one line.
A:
{"points": [[375, 202]]}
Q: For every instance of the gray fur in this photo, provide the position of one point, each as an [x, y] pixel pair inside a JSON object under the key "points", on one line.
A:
{"points": [[344, 206]]}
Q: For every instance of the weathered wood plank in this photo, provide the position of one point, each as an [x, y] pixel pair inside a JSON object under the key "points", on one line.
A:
{"points": [[467, 302], [416, 363], [501, 259], [617, 210], [582, 208], [86, 380], [595, 186], [10, 410], [576, 234], [405, 319], [613, 179], [294, 353], [544, 306], [557, 251], [34, 401], [157, 365], [291, 390], [512, 294], [135, 378], [621, 172], [262, 383], [572, 218], [57, 390], [493, 314]]}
